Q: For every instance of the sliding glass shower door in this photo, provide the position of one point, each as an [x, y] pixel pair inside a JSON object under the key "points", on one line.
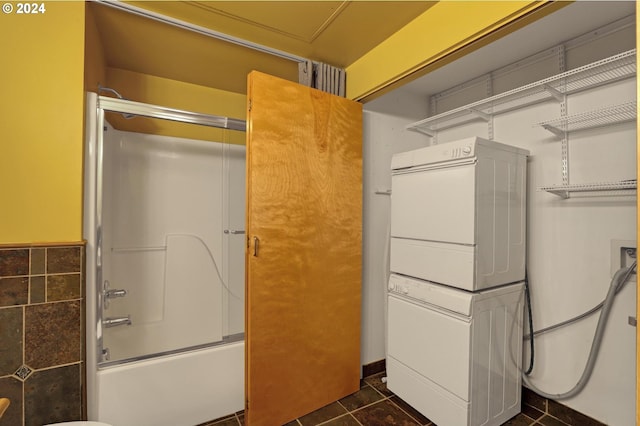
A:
{"points": [[172, 244]]}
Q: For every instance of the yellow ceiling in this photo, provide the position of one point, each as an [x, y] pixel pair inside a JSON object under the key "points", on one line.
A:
{"points": [[334, 32]]}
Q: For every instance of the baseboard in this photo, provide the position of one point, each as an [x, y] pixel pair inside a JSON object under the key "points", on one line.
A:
{"points": [[374, 368], [535, 406]]}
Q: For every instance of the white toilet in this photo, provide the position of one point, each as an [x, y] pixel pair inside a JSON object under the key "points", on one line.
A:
{"points": [[80, 423]]}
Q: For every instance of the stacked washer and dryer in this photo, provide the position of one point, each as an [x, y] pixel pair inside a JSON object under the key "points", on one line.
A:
{"points": [[455, 300]]}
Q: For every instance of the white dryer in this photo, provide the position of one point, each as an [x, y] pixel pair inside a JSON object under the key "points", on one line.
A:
{"points": [[458, 213]]}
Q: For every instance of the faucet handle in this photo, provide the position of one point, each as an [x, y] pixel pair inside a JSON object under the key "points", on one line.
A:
{"points": [[110, 294]]}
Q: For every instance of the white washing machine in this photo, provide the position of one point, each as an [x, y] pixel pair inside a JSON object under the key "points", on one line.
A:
{"points": [[455, 294], [458, 213], [455, 356]]}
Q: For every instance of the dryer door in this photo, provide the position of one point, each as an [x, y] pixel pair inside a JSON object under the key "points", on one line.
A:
{"points": [[435, 204]]}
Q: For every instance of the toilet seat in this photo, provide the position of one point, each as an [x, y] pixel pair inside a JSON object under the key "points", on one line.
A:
{"points": [[79, 423]]}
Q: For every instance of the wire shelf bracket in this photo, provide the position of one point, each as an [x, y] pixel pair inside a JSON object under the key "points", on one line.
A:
{"points": [[615, 68]]}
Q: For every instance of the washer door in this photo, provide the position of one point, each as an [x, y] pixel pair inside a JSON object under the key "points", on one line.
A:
{"points": [[435, 344]]}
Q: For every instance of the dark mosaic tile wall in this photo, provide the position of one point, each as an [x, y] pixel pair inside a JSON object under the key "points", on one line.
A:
{"points": [[42, 334]]}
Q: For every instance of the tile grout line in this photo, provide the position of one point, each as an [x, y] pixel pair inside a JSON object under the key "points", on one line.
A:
{"points": [[408, 414], [384, 398], [546, 413], [342, 405], [354, 418], [18, 276], [376, 389], [350, 412], [24, 362], [29, 279], [46, 273], [347, 414], [23, 417]]}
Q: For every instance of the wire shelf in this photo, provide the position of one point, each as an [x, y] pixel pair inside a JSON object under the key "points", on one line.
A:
{"points": [[605, 71], [626, 187], [592, 119]]}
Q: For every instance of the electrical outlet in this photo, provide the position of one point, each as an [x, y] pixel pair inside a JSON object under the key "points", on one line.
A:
{"points": [[623, 254]]}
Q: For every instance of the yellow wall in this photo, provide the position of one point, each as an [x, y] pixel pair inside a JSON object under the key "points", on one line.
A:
{"points": [[180, 95], [41, 84], [447, 27], [41, 109], [95, 64]]}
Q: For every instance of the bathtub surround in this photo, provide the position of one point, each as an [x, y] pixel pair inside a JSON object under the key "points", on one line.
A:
{"points": [[42, 333]]}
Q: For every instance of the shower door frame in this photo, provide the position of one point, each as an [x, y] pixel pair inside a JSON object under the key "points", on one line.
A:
{"points": [[93, 222]]}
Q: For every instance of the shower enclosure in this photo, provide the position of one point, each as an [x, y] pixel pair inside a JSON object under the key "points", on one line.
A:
{"points": [[164, 223]]}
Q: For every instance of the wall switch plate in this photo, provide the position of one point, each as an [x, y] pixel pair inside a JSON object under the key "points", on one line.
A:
{"points": [[622, 256]]}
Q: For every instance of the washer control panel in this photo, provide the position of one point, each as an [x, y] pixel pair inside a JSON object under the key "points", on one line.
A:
{"points": [[433, 294], [462, 151]]}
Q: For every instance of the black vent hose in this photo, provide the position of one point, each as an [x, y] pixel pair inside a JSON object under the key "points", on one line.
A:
{"points": [[527, 296]]}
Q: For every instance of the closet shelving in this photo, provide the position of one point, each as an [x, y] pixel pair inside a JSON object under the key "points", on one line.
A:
{"points": [[591, 119], [618, 188], [606, 71]]}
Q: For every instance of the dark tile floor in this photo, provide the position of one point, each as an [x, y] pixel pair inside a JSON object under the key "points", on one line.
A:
{"points": [[375, 405]]}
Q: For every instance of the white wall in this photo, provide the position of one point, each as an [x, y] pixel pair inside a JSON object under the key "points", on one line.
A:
{"points": [[383, 135], [569, 258], [569, 241]]}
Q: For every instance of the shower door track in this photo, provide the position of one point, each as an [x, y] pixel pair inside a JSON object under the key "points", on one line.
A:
{"points": [[232, 338]]}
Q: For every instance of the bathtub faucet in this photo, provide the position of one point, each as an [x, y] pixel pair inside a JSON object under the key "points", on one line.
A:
{"points": [[114, 322]]}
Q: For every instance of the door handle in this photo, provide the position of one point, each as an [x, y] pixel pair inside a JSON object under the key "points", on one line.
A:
{"points": [[256, 244]]}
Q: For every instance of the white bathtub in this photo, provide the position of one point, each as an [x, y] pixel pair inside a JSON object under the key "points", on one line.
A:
{"points": [[177, 390], [155, 226]]}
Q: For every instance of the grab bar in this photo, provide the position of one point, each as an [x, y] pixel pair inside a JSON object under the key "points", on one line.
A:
{"points": [[233, 231]]}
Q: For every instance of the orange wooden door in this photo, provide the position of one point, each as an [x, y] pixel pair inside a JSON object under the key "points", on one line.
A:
{"points": [[304, 256]]}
